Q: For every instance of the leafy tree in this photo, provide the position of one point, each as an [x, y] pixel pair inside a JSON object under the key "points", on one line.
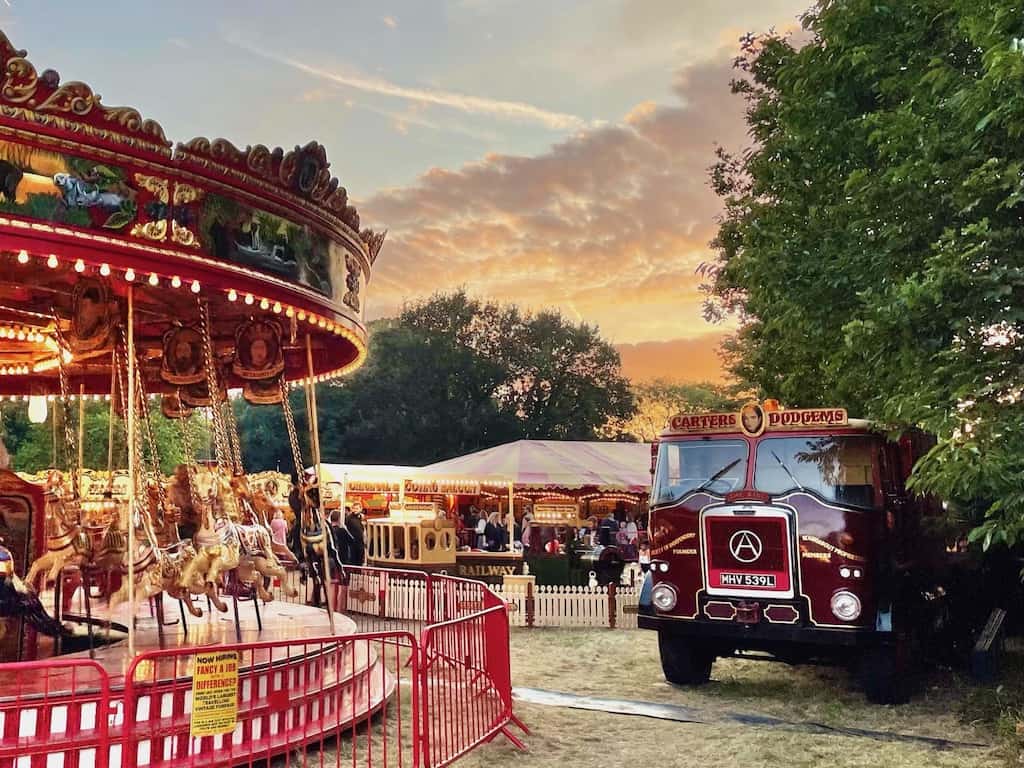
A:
{"points": [[558, 380], [32, 446], [872, 235], [450, 376], [659, 400]]}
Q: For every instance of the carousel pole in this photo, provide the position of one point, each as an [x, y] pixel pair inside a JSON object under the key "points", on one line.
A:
{"points": [[81, 433], [314, 430], [344, 496], [511, 522], [131, 471], [110, 419]]}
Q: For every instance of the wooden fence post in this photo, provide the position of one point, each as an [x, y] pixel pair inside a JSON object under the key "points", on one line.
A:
{"points": [[611, 605], [530, 607]]}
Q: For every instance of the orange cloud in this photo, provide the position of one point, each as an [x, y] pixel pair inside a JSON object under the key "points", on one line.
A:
{"points": [[683, 360], [609, 225]]}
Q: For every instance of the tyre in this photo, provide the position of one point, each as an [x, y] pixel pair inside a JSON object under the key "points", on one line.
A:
{"points": [[683, 661], [885, 679]]}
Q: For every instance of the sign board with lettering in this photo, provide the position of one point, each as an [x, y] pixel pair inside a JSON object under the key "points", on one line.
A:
{"points": [[214, 693], [753, 420]]}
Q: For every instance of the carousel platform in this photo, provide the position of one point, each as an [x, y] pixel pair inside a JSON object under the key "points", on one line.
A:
{"points": [[298, 684]]}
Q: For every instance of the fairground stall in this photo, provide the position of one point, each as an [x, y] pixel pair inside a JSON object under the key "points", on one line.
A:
{"points": [[412, 518], [568, 500], [140, 271]]}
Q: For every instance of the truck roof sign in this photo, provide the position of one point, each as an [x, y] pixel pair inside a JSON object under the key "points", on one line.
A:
{"points": [[753, 420]]}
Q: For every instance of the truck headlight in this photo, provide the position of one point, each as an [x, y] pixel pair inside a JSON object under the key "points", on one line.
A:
{"points": [[845, 605], [664, 597]]}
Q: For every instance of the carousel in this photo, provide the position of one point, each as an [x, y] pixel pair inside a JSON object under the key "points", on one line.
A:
{"points": [[137, 271]]}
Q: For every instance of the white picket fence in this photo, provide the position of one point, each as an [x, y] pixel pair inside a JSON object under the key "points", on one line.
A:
{"points": [[552, 606], [566, 606]]}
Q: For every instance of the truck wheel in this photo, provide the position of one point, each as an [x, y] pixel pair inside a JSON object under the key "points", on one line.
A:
{"points": [[683, 661], [885, 679]]}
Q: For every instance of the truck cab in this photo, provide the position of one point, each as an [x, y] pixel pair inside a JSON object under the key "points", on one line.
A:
{"points": [[787, 534]]}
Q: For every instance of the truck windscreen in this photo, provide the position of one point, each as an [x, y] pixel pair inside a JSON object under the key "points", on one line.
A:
{"points": [[717, 466], [838, 469]]}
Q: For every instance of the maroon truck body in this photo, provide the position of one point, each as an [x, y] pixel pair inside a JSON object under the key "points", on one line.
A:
{"points": [[786, 532]]}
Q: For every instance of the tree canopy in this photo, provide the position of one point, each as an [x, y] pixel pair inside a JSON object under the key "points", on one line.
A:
{"points": [[659, 400], [34, 447], [871, 241], [451, 375]]}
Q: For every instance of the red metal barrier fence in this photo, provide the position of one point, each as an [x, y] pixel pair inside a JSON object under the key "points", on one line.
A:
{"points": [[386, 696], [60, 706]]}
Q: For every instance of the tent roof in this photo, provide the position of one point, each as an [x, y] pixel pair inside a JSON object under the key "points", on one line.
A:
{"points": [[557, 464], [369, 472]]}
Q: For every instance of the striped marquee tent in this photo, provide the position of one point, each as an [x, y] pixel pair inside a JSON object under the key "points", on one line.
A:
{"points": [[562, 464]]}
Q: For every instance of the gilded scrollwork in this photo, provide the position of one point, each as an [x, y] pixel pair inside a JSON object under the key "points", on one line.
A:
{"points": [[186, 193], [374, 241], [159, 187], [183, 235], [37, 95], [353, 272], [20, 81], [74, 97], [151, 230]]}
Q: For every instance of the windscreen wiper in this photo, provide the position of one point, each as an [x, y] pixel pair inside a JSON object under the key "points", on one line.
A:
{"points": [[788, 472], [711, 480]]}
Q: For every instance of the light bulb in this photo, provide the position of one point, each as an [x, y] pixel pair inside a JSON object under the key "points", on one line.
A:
{"points": [[175, 282], [37, 409], [105, 270], [195, 286], [23, 257], [249, 298], [79, 266], [290, 312], [264, 304], [52, 261], [277, 307], [153, 279], [232, 295], [129, 275]]}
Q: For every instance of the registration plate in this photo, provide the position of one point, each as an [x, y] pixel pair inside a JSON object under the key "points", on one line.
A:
{"points": [[759, 580]]}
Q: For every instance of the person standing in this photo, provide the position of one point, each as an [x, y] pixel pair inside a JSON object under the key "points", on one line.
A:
{"points": [[481, 531], [357, 547], [279, 529]]}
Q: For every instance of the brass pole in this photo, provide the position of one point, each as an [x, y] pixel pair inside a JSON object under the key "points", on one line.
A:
{"points": [[53, 437], [81, 433], [511, 522], [314, 430], [110, 426], [131, 471]]}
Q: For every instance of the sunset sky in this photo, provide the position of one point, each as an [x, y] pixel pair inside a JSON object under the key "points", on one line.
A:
{"points": [[549, 153]]}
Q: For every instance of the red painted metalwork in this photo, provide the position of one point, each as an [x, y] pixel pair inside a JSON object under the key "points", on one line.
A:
{"points": [[327, 701], [59, 706], [378, 698], [97, 198]]}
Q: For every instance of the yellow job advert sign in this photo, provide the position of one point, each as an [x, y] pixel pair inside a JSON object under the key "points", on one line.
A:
{"points": [[214, 693]]}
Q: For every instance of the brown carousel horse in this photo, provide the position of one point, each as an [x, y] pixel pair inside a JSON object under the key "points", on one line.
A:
{"points": [[218, 550], [171, 554], [260, 559], [67, 541]]}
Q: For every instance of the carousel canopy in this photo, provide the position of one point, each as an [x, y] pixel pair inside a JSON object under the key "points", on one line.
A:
{"points": [[557, 464], [96, 203]]}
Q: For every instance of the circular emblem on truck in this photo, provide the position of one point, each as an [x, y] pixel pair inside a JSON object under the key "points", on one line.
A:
{"points": [[745, 546]]}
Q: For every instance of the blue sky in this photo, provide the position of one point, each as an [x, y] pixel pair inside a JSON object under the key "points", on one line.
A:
{"points": [[524, 150]]}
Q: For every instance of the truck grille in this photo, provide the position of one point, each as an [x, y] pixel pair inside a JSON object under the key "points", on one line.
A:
{"points": [[747, 552]]}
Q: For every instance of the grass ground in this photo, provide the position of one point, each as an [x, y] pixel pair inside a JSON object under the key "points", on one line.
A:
{"points": [[624, 664]]}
